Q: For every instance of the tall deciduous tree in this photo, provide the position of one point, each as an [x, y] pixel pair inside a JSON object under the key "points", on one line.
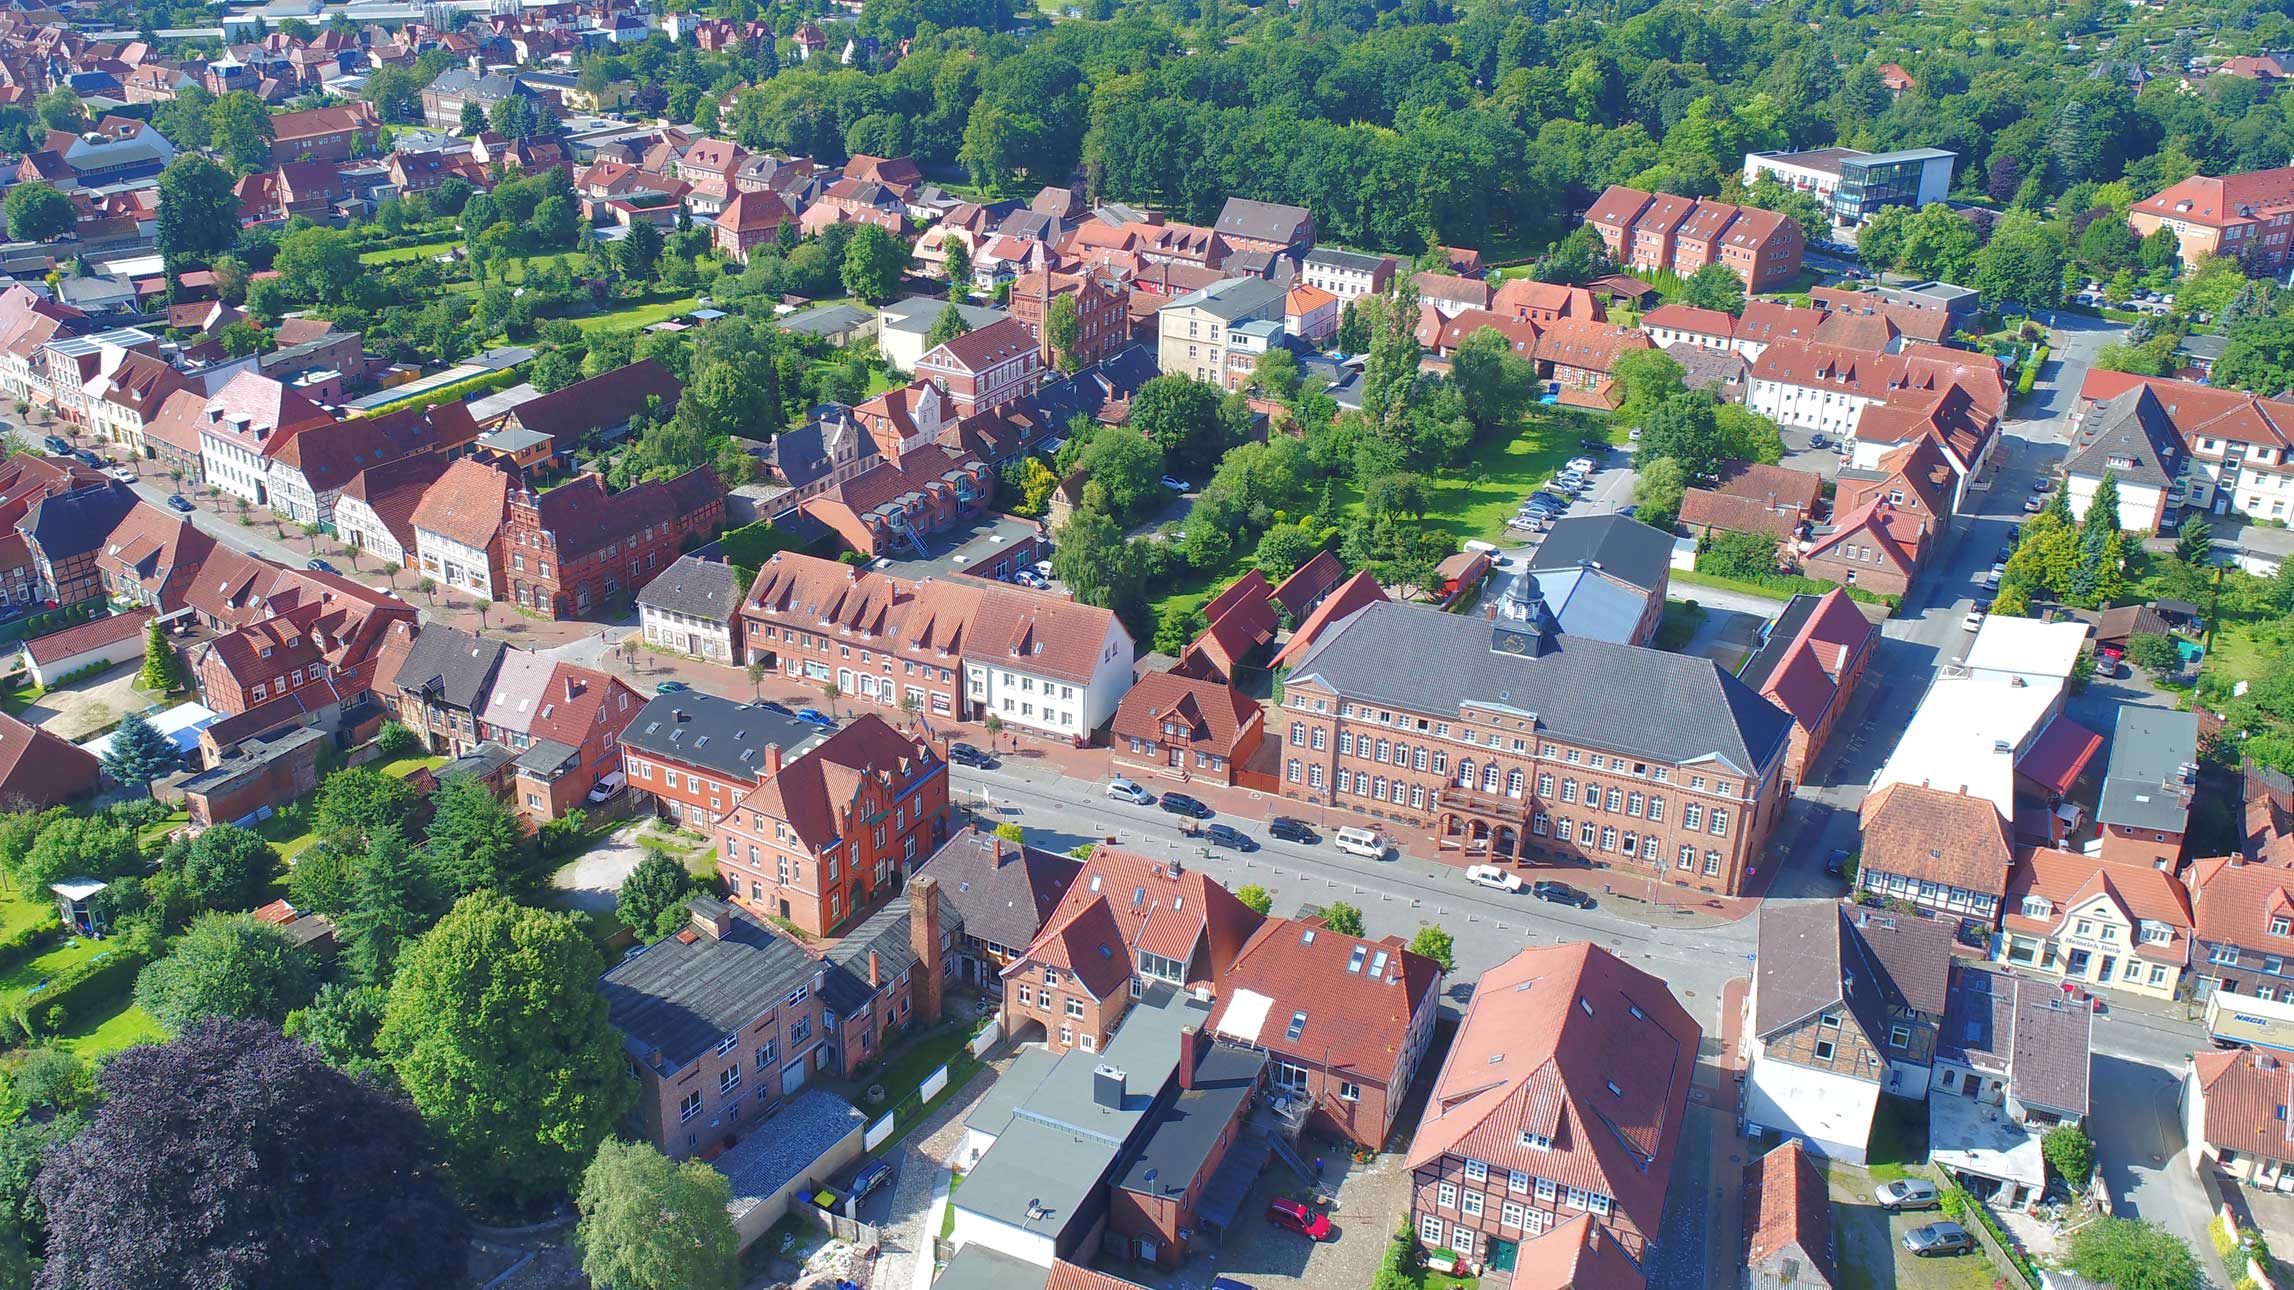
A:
{"points": [[874, 261], [227, 965], [234, 1156], [227, 867], [37, 212], [354, 803], [656, 885], [499, 1036], [198, 212], [242, 131], [1064, 331], [650, 1223]]}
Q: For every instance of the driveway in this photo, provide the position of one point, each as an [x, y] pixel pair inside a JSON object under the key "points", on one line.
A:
{"points": [[2139, 1144], [88, 706], [591, 878]]}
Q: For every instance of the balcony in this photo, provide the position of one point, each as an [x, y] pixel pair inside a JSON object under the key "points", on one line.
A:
{"points": [[1474, 801]]}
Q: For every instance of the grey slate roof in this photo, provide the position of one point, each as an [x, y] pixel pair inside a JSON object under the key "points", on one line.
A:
{"points": [[451, 666], [1354, 260], [1778, 641], [716, 734], [1589, 602], [1264, 221], [2132, 437], [1640, 702], [64, 525], [762, 1163], [980, 1267], [1233, 298], [887, 933], [480, 762], [695, 587], [824, 320], [682, 998], [1623, 547], [1002, 890], [2143, 788], [2035, 1038]]}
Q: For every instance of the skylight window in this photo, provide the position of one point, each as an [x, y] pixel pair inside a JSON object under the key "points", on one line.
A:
{"points": [[1297, 1025]]}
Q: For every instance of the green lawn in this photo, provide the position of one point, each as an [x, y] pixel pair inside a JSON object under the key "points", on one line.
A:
{"points": [[34, 972], [126, 1028], [405, 766], [642, 314], [1679, 625], [18, 912], [401, 254], [948, 1211], [289, 831]]}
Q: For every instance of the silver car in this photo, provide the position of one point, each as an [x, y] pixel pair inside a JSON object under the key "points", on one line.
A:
{"points": [[1907, 1194]]}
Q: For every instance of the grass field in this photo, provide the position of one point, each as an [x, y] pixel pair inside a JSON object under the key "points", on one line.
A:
{"points": [[404, 254], [19, 912]]}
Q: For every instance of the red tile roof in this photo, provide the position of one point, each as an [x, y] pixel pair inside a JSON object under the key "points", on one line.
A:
{"points": [[1578, 1254], [1352, 594], [2066, 882], [1211, 712], [1929, 835], [1807, 680], [1164, 909], [811, 793], [467, 504], [1571, 1045], [1308, 582], [1355, 1021], [2249, 1101], [1787, 1207], [2237, 903], [40, 768], [92, 634]]}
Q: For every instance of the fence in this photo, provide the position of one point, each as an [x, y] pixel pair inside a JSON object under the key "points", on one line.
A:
{"points": [[877, 1133], [1976, 1217], [861, 1234], [933, 1083]]}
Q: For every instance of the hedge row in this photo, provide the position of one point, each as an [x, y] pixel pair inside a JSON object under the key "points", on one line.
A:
{"points": [[77, 990]]}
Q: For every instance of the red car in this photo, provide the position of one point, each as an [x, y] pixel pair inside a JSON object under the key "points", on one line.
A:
{"points": [[1282, 1211]]}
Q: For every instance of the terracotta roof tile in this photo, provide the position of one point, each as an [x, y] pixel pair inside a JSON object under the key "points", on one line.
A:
{"points": [[1928, 835]]}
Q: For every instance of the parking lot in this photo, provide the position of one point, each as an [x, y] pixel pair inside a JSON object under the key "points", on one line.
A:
{"points": [[1869, 1241]]}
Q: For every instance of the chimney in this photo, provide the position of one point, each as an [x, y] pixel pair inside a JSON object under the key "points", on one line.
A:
{"points": [[772, 760], [712, 918], [924, 942], [1189, 1054], [1107, 1087], [875, 970], [573, 687]]}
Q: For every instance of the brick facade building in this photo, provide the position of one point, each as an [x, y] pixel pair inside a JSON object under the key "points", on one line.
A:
{"points": [[1507, 740], [577, 549], [1102, 312]]}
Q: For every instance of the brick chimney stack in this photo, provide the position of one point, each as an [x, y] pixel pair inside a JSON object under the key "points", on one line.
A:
{"points": [[772, 760], [875, 970], [924, 940], [1189, 1054]]}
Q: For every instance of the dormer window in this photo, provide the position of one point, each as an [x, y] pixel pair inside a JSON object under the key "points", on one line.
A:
{"points": [[1536, 1141]]}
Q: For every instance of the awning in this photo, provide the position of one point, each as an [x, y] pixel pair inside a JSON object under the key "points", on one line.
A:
{"points": [[2059, 754]]}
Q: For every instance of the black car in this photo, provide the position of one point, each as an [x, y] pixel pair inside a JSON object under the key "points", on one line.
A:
{"points": [[1226, 835], [1181, 804], [1561, 893], [777, 709], [320, 566], [1290, 830], [967, 755], [86, 458], [2006, 553], [871, 1178], [1836, 863], [58, 446], [179, 502]]}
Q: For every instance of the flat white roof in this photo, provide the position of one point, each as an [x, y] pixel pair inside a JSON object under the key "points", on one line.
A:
{"points": [[1952, 742], [2027, 646], [1246, 1016]]}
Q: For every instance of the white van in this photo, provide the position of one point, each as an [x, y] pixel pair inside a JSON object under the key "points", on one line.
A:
{"points": [[1362, 842]]}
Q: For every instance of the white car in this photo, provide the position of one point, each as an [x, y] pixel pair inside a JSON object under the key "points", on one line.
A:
{"points": [[1494, 878], [1973, 622], [1175, 485], [606, 786], [1583, 465], [1123, 790]]}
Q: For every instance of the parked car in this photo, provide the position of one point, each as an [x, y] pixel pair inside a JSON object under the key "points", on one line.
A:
{"points": [[57, 445], [778, 709], [671, 687], [321, 566], [1836, 863], [1176, 485], [2032, 506], [1181, 804], [816, 717], [1299, 1217], [2042, 484], [1973, 622], [179, 502], [1494, 878], [1583, 465], [967, 755], [1227, 835], [1938, 1239], [1817, 441], [1561, 893], [124, 474], [1907, 1193], [606, 786], [871, 1178], [86, 458], [1123, 790], [1290, 830], [2005, 553]]}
